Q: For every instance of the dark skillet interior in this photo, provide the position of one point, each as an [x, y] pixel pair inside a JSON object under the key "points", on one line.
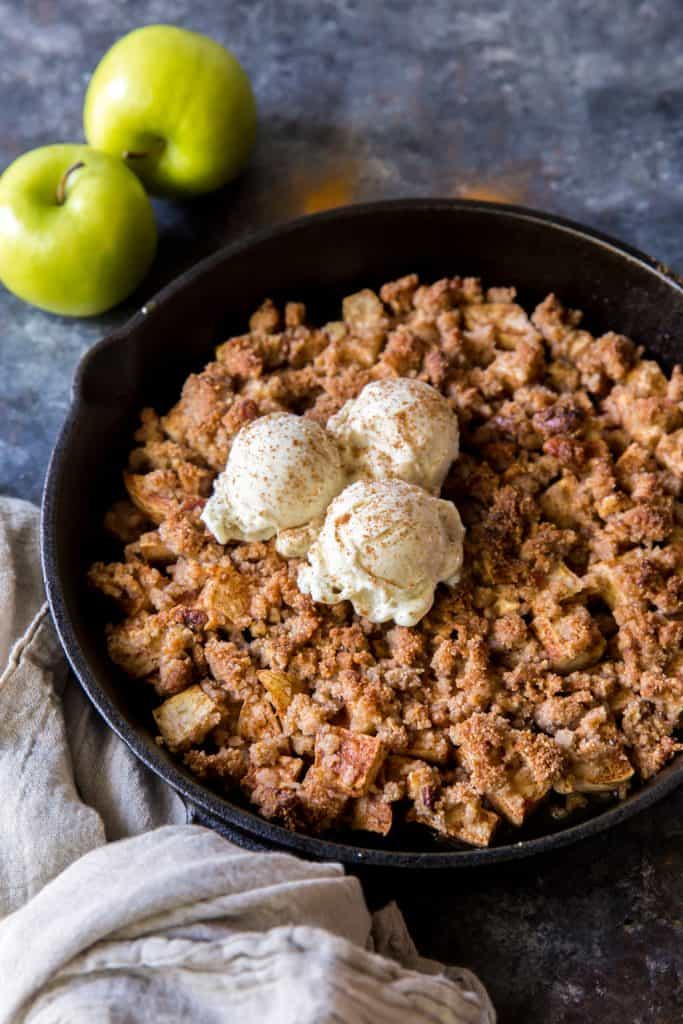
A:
{"points": [[317, 260]]}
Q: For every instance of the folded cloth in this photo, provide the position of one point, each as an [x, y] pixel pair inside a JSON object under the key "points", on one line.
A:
{"points": [[116, 910]]}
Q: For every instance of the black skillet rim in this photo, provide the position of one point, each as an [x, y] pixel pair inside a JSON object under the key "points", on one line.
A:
{"points": [[220, 809]]}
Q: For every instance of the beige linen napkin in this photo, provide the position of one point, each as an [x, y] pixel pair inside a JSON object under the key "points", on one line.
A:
{"points": [[169, 922]]}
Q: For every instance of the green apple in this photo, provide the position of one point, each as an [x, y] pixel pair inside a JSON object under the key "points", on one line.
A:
{"points": [[176, 105], [77, 231]]}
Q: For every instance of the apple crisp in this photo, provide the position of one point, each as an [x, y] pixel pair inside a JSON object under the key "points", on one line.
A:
{"points": [[551, 674]]}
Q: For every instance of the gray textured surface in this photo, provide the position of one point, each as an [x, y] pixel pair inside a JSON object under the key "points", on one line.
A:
{"points": [[575, 107]]}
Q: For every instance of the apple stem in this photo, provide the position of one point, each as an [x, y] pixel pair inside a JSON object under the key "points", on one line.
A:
{"points": [[155, 147], [61, 187]]}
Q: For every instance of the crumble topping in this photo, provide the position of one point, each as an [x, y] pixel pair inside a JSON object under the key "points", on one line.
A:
{"points": [[551, 674]]}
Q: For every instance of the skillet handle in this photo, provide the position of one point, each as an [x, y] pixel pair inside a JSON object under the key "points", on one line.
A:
{"points": [[195, 816]]}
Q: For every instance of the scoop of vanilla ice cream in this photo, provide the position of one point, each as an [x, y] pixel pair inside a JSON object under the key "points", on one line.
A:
{"points": [[282, 472], [384, 546], [398, 428]]}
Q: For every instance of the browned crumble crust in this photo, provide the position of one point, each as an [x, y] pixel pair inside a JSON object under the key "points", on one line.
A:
{"points": [[554, 671]]}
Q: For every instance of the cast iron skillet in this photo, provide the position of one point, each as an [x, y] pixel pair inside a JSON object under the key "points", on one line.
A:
{"points": [[317, 260]]}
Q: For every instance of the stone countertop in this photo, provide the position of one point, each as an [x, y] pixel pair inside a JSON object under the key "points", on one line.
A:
{"points": [[576, 108]]}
